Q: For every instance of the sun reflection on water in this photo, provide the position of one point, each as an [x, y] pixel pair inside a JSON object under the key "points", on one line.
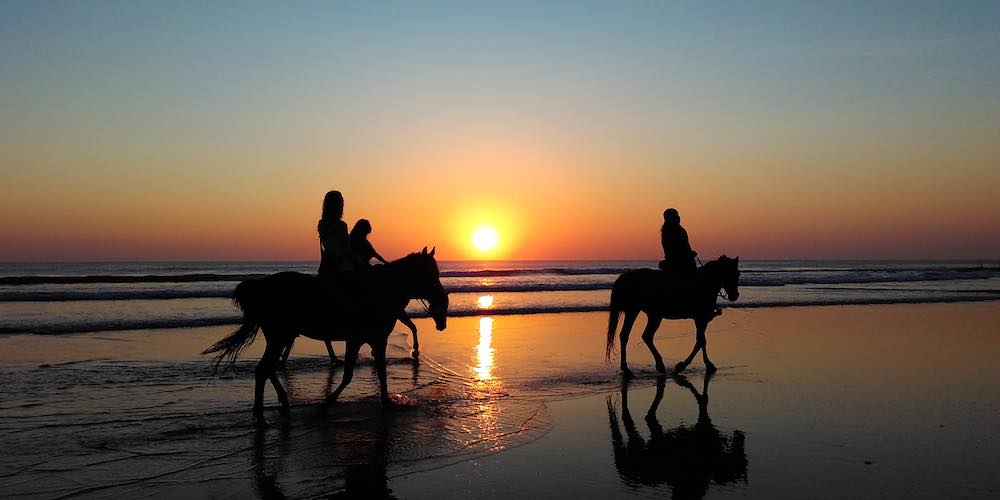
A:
{"points": [[487, 388], [484, 302], [484, 350]]}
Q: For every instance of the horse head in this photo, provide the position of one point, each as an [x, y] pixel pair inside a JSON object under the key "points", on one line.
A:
{"points": [[426, 285], [729, 275]]}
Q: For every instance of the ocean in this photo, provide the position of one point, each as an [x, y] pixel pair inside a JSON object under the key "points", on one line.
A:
{"points": [[65, 298], [858, 400]]}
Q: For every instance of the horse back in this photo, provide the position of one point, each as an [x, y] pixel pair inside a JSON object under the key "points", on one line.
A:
{"points": [[654, 290]]}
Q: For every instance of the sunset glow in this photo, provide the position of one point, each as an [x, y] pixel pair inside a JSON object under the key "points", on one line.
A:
{"points": [[485, 238], [489, 139]]}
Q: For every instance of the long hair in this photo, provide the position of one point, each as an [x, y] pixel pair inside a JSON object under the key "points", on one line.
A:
{"points": [[361, 229], [333, 206]]}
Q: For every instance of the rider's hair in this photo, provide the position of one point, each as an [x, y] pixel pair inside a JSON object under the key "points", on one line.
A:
{"points": [[361, 228], [333, 205], [671, 215]]}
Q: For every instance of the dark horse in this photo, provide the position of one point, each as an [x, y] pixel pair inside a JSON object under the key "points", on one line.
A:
{"points": [[652, 292], [362, 311], [687, 457]]}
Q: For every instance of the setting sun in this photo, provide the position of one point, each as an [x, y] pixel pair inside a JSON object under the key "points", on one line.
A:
{"points": [[485, 238]]}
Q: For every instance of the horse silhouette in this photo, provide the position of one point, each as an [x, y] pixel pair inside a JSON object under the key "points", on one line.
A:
{"points": [[285, 305], [404, 318], [660, 297], [686, 457]]}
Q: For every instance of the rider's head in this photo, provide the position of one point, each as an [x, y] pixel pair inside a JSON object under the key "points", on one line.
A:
{"points": [[670, 215], [361, 228], [333, 206]]}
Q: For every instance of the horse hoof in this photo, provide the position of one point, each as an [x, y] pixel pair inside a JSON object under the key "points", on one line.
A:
{"points": [[679, 367], [336, 362], [627, 374], [660, 368], [710, 369], [285, 411]]}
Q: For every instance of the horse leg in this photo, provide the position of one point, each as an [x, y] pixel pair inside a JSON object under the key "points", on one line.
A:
{"points": [[264, 371], [380, 368], [703, 342], [652, 323], [626, 329], [284, 409], [287, 350], [333, 355], [350, 359], [680, 366], [406, 321]]}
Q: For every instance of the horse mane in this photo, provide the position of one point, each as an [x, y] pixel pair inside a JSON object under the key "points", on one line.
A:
{"points": [[407, 258], [712, 265]]}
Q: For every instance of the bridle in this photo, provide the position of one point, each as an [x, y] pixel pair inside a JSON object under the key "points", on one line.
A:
{"points": [[722, 294]]}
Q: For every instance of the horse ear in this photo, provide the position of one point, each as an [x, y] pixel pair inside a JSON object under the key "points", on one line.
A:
{"points": [[737, 261], [424, 251], [723, 257], [433, 250]]}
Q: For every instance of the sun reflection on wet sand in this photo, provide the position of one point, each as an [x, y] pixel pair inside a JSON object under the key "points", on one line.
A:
{"points": [[484, 350], [487, 386]]}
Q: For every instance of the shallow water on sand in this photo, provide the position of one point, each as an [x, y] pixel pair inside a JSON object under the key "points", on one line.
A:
{"points": [[119, 413], [833, 402]]}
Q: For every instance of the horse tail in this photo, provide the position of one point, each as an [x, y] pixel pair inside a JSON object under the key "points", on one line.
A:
{"points": [[246, 297], [614, 315]]}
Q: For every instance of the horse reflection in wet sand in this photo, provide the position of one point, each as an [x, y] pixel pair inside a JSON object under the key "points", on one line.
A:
{"points": [[285, 305], [688, 458], [652, 292]]}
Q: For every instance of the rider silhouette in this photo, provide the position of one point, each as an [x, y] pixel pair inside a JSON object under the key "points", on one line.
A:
{"points": [[678, 258], [334, 244], [364, 251], [360, 245]]}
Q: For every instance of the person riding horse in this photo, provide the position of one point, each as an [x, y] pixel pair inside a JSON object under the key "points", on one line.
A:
{"points": [[678, 257], [364, 251]]}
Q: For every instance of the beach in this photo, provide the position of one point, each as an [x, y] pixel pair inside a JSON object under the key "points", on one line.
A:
{"points": [[861, 401]]}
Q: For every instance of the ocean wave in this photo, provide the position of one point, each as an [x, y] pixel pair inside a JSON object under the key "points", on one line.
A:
{"points": [[219, 290], [109, 278], [471, 310], [760, 276]]}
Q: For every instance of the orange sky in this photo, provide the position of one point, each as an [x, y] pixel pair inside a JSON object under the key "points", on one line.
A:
{"points": [[570, 132]]}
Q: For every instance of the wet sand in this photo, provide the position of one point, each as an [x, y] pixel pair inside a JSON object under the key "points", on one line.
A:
{"points": [[810, 402]]}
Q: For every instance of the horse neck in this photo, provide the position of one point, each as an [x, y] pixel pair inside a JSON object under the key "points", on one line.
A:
{"points": [[403, 274], [712, 278]]}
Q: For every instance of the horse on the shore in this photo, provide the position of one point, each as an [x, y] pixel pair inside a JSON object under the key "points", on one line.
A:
{"points": [[361, 310], [654, 293]]}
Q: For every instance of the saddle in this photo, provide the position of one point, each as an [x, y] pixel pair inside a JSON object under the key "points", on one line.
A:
{"points": [[679, 287]]}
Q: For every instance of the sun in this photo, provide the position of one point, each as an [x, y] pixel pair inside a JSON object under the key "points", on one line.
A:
{"points": [[485, 238]]}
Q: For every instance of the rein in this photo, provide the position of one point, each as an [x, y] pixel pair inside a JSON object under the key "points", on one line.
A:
{"points": [[722, 294], [399, 265]]}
